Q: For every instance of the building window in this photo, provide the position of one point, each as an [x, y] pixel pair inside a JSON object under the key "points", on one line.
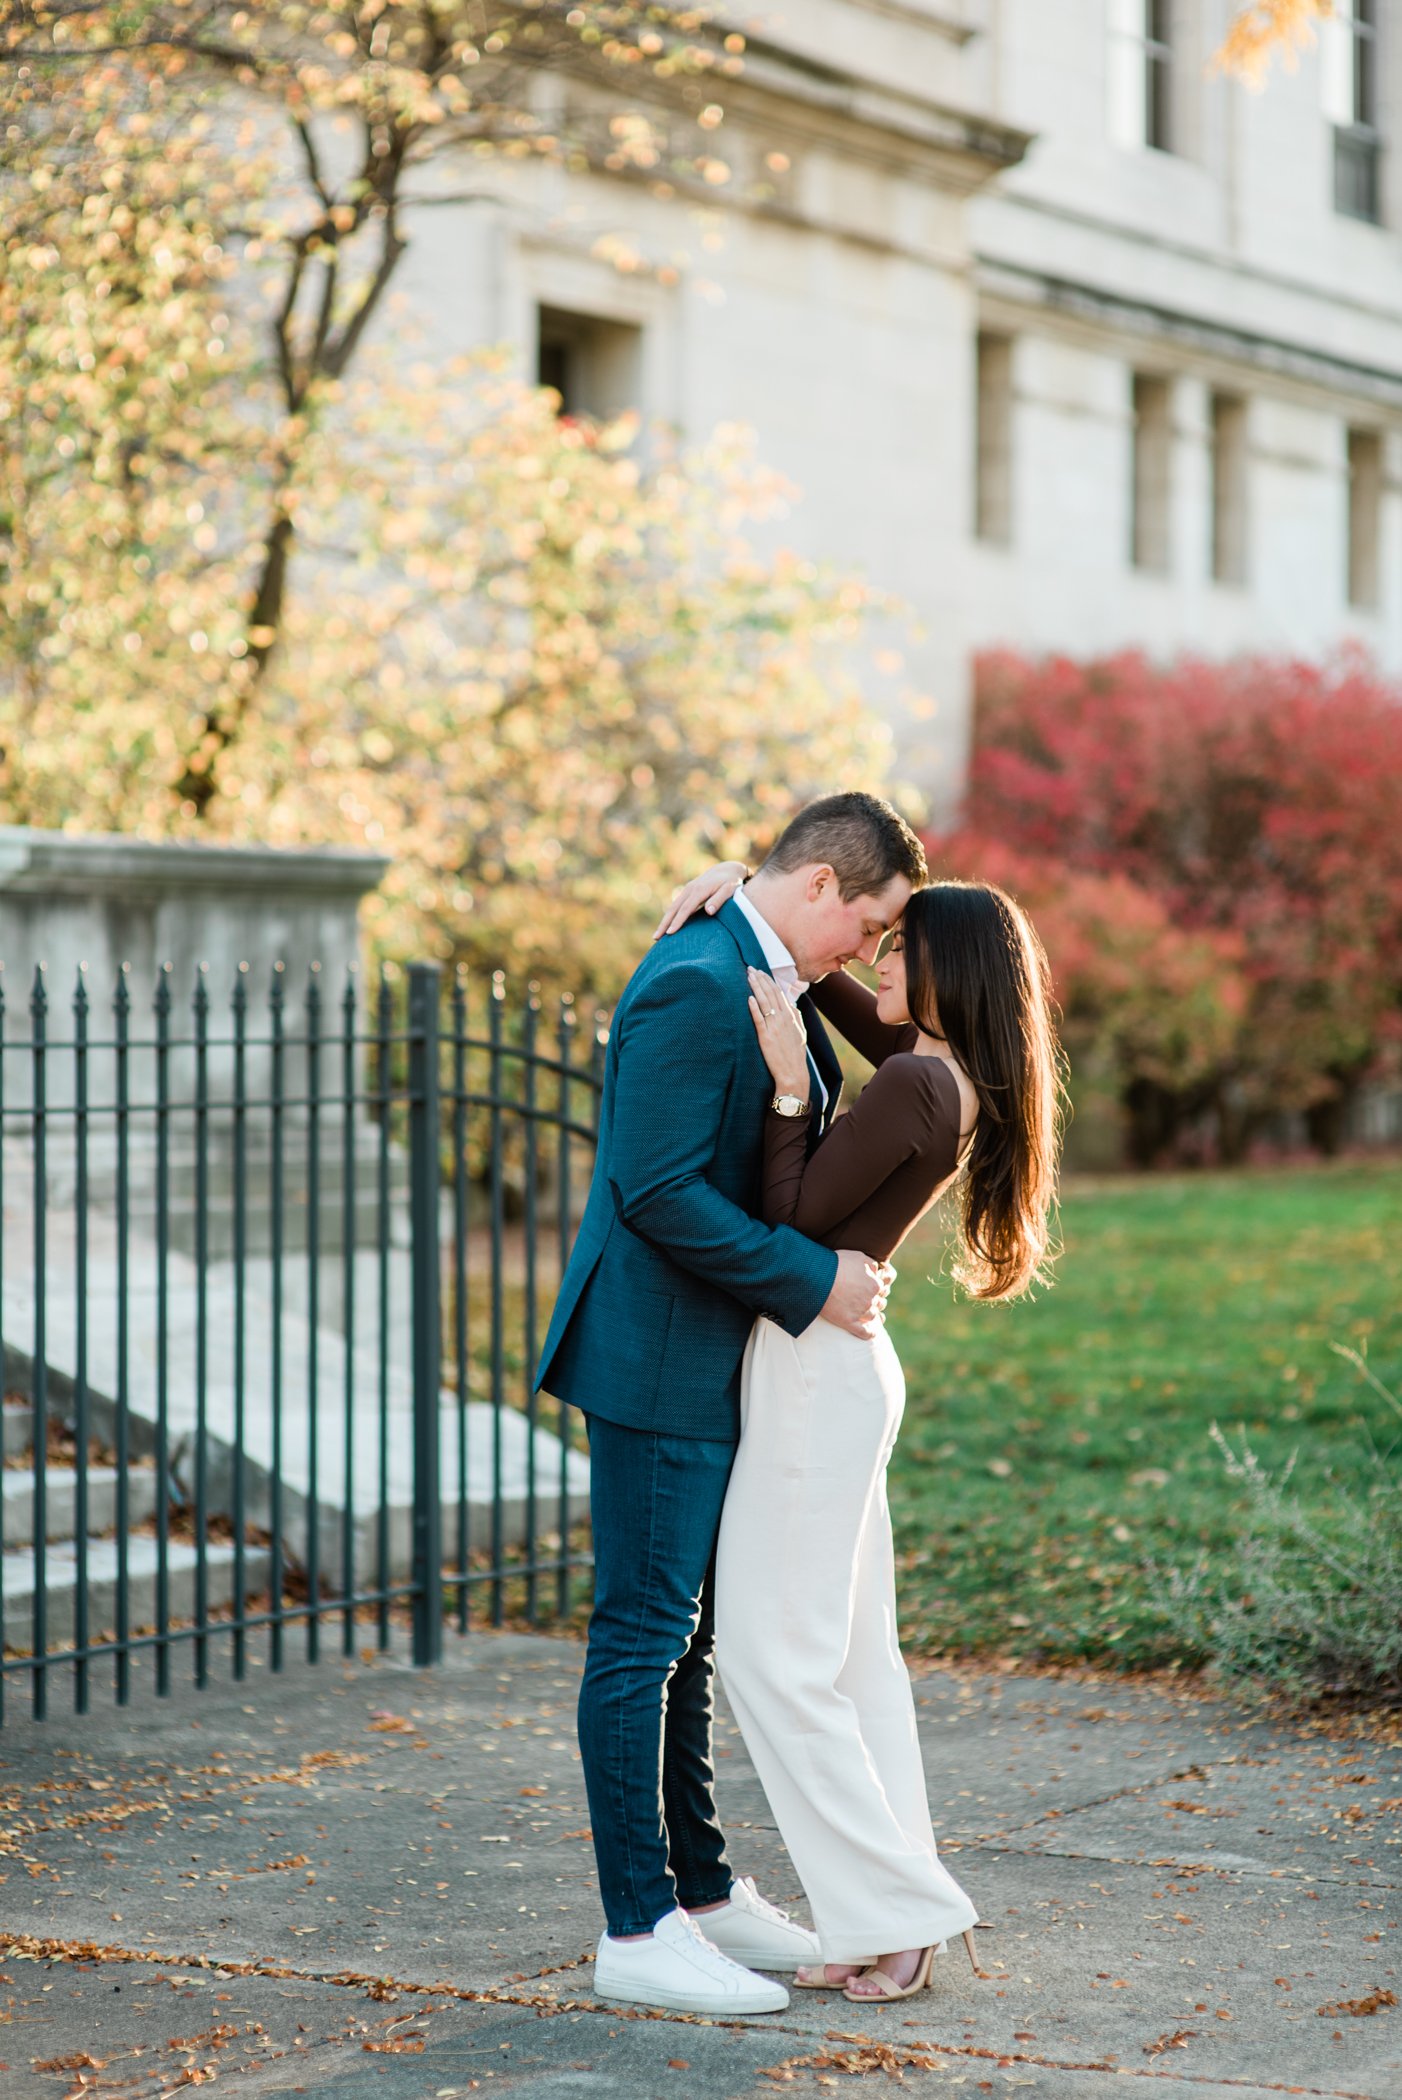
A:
{"points": [[1350, 75], [1139, 62], [993, 474], [1229, 477], [1365, 496], [594, 365], [1150, 480]]}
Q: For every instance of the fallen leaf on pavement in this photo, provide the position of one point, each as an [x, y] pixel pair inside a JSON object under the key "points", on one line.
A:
{"points": [[1359, 2007], [1179, 2039]]}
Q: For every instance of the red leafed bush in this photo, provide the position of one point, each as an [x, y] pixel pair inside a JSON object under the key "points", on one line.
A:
{"points": [[1213, 855]]}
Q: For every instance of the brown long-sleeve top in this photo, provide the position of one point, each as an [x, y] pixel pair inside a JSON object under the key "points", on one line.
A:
{"points": [[880, 1167]]}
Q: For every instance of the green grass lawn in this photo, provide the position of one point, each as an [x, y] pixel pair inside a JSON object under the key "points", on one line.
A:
{"points": [[1053, 1448]]}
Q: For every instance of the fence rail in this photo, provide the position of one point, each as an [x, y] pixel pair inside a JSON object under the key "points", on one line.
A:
{"points": [[271, 1290]]}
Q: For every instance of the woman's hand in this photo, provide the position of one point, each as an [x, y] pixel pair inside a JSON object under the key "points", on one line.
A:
{"points": [[710, 890], [779, 1027]]}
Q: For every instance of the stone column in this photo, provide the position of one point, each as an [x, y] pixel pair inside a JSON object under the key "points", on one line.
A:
{"points": [[103, 902]]}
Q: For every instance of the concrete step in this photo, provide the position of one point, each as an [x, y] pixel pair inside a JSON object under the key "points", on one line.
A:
{"points": [[61, 1499], [183, 1176], [18, 1430], [348, 1382], [17, 1572]]}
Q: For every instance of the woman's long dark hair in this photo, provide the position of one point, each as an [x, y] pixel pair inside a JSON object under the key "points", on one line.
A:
{"points": [[976, 975]]}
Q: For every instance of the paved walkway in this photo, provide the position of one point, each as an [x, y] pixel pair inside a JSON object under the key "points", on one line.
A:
{"points": [[211, 1887]]}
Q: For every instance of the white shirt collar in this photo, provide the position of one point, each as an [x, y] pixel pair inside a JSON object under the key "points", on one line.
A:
{"points": [[776, 955], [782, 968]]}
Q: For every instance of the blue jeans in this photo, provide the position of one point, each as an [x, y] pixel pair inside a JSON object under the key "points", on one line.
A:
{"points": [[645, 1705]]}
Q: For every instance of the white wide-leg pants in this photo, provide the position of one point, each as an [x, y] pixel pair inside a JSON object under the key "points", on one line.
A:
{"points": [[806, 1640]]}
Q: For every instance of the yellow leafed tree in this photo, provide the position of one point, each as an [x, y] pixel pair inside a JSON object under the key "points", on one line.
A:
{"points": [[1265, 27], [257, 583]]}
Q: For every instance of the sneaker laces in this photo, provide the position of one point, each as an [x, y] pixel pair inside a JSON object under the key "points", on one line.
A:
{"points": [[762, 1904], [716, 1959]]}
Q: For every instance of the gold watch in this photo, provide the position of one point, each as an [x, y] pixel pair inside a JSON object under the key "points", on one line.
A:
{"points": [[791, 1105]]}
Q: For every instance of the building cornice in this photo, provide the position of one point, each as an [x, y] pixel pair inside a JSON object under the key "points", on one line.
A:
{"points": [[802, 97], [1238, 269], [918, 16], [1016, 285], [896, 123]]}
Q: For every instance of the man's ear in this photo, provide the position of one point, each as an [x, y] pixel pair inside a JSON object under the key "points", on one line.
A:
{"points": [[820, 879]]}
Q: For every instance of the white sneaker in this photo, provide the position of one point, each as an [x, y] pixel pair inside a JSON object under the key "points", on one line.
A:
{"points": [[755, 1932], [677, 1968]]}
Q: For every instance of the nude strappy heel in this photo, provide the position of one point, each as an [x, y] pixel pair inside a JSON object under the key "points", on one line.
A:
{"points": [[890, 1990], [968, 1939], [816, 1980]]}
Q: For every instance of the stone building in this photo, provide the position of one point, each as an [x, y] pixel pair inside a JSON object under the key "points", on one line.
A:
{"points": [[1066, 339]]}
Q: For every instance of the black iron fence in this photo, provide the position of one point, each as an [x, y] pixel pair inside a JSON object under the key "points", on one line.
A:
{"points": [[273, 1275]]}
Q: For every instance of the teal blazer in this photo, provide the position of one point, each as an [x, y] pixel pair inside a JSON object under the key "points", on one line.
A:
{"points": [[672, 1263]]}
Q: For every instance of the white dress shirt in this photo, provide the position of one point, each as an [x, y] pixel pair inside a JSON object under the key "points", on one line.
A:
{"points": [[781, 966]]}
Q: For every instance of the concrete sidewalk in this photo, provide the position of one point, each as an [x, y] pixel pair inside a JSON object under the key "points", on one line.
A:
{"points": [[371, 1882]]}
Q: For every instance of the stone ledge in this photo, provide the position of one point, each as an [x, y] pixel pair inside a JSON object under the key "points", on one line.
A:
{"points": [[57, 863]]}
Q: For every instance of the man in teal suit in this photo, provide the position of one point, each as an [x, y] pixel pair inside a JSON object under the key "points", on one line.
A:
{"points": [[669, 1272]]}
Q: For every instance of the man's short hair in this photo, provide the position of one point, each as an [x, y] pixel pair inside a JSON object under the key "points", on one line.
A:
{"points": [[862, 839]]}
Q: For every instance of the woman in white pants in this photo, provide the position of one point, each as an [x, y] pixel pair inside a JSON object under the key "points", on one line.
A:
{"points": [[965, 1090]]}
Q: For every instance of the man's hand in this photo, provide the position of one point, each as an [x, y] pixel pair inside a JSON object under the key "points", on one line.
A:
{"points": [[859, 1293]]}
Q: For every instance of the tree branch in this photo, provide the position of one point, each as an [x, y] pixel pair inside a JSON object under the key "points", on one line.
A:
{"points": [[338, 354], [282, 340], [330, 277], [222, 54], [382, 174], [312, 159]]}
